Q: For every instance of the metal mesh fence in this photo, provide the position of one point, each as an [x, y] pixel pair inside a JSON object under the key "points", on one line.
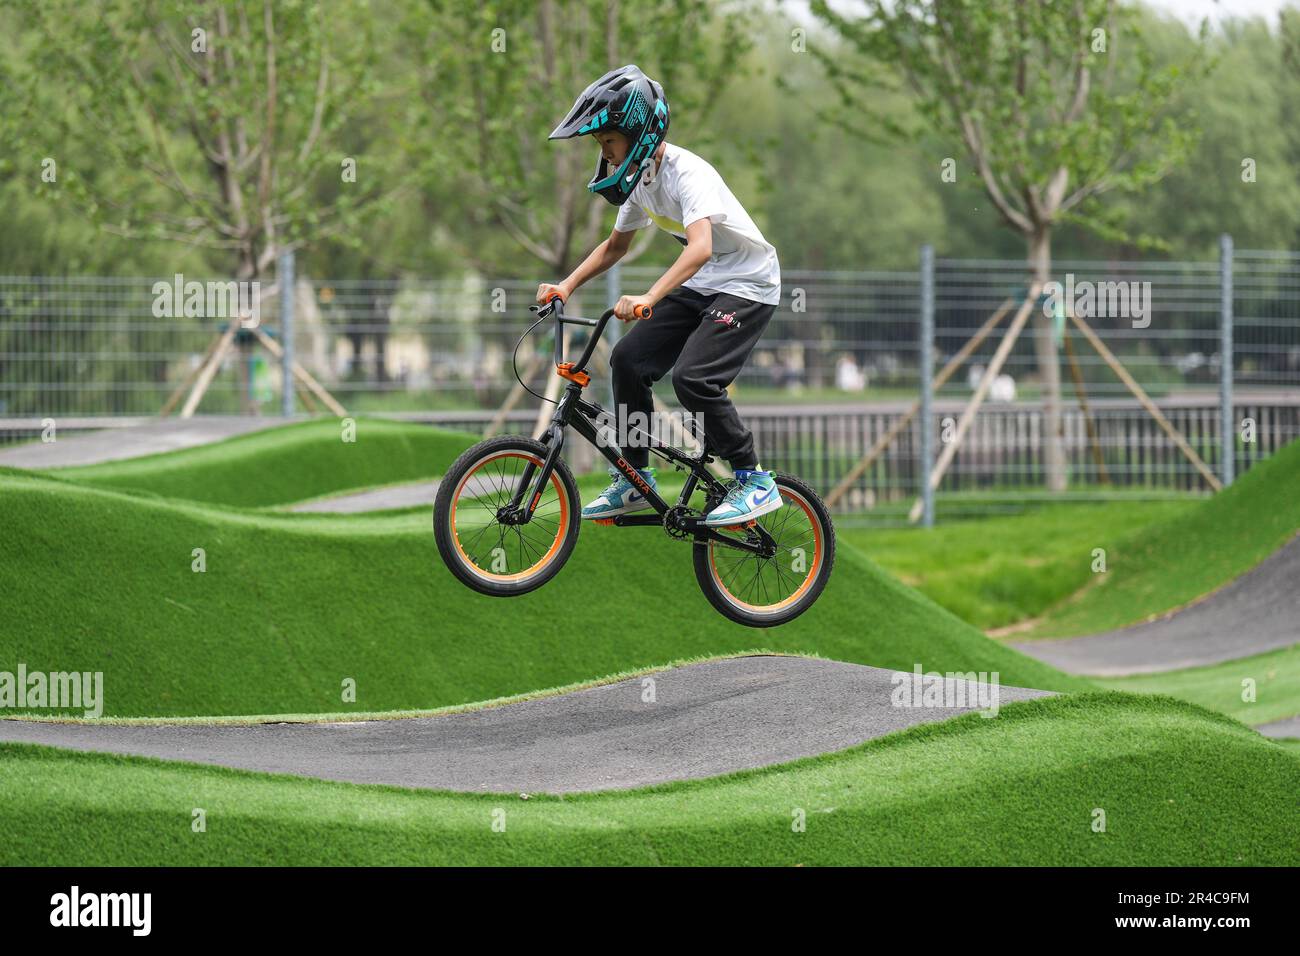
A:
{"points": [[1266, 319], [835, 369]]}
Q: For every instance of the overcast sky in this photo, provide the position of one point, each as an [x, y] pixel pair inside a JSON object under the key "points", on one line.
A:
{"points": [[1193, 11], [1190, 12]]}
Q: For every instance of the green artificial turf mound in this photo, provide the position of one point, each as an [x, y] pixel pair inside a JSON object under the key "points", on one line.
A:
{"points": [[1177, 561], [1173, 780], [290, 607], [1219, 686], [287, 464], [997, 570]]}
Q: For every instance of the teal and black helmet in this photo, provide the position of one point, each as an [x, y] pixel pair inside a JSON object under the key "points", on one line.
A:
{"points": [[630, 102]]}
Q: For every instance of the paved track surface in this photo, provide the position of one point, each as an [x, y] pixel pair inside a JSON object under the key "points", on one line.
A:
{"points": [[706, 719], [377, 499], [132, 441], [407, 495], [1258, 612], [1289, 727]]}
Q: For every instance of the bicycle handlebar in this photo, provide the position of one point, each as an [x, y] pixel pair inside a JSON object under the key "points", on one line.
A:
{"points": [[556, 303]]}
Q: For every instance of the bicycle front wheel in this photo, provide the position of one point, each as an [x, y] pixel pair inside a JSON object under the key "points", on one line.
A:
{"points": [[764, 592], [485, 554]]}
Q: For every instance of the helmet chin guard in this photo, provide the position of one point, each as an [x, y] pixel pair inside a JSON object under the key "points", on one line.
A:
{"points": [[617, 185]]}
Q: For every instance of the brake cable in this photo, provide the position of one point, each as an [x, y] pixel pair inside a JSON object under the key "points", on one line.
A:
{"points": [[514, 361]]}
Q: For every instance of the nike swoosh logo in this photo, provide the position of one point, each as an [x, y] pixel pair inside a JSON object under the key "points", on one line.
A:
{"points": [[770, 493]]}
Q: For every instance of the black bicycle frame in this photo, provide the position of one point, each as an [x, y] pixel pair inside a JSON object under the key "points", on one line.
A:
{"points": [[573, 410]]}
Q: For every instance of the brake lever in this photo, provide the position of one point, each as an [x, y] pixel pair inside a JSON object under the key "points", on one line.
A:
{"points": [[553, 304]]}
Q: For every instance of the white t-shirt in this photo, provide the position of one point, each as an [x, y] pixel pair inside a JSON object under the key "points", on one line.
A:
{"points": [[687, 189]]}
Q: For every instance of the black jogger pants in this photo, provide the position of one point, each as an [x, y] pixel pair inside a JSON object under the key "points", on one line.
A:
{"points": [[706, 340]]}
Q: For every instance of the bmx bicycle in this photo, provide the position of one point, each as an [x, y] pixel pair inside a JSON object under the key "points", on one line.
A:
{"points": [[507, 513]]}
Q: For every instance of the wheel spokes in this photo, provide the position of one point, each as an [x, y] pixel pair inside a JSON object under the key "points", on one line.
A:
{"points": [[764, 584], [502, 551]]}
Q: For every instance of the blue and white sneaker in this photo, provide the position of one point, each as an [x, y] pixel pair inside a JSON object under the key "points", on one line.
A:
{"points": [[754, 493], [620, 497]]}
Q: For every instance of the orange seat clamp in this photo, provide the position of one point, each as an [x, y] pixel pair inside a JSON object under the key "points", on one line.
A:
{"points": [[565, 370]]}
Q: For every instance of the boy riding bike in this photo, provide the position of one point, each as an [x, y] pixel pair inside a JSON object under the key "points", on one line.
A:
{"points": [[709, 308]]}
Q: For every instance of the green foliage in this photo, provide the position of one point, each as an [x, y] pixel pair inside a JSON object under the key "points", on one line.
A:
{"points": [[836, 195], [1209, 194], [215, 126], [497, 80], [1052, 103]]}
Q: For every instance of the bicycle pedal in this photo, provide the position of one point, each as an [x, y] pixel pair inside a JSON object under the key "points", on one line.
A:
{"points": [[606, 521]]}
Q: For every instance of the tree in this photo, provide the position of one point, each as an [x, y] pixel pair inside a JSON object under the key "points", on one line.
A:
{"points": [[499, 77], [233, 107], [1037, 97]]}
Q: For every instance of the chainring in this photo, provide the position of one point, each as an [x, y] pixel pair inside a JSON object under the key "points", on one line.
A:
{"points": [[674, 514]]}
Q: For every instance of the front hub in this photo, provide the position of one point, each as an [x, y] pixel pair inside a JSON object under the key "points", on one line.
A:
{"points": [[509, 516]]}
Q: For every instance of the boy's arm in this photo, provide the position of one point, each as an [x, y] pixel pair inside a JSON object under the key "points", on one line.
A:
{"points": [[699, 247], [601, 258]]}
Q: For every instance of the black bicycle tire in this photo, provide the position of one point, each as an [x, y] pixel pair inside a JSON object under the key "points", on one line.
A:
{"points": [[442, 517], [721, 603]]}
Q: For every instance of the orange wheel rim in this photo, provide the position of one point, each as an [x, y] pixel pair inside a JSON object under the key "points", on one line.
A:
{"points": [[745, 571], [517, 552]]}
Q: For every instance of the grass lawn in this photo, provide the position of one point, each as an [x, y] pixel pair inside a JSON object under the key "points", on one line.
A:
{"points": [[996, 571], [1021, 789], [1219, 686], [284, 464]]}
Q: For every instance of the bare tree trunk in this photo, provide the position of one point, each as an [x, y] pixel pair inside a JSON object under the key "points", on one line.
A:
{"points": [[1049, 368]]}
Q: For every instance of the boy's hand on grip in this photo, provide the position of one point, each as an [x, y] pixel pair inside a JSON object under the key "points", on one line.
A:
{"points": [[633, 307], [546, 292]]}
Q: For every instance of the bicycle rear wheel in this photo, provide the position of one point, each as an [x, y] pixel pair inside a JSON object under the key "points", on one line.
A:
{"points": [[482, 552], [764, 592]]}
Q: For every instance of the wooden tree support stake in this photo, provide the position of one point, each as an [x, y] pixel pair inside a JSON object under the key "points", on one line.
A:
{"points": [[190, 376], [308, 402], [1094, 440], [302, 374], [516, 393], [1210, 478], [209, 370], [968, 415], [887, 439]]}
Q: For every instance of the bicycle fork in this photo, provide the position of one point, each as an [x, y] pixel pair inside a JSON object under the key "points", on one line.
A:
{"points": [[553, 438]]}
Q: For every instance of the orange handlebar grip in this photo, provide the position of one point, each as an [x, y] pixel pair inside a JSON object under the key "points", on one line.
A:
{"points": [[642, 311]]}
